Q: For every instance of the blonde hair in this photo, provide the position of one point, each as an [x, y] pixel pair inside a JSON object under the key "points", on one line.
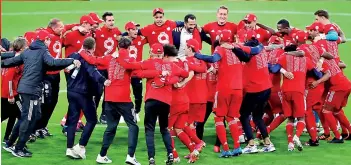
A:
{"points": [[19, 43]]}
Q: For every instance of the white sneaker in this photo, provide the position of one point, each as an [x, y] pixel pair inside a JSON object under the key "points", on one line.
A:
{"points": [[291, 147], [103, 159], [70, 153], [242, 139], [80, 151], [250, 149], [298, 143], [176, 160], [132, 160], [268, 148], [138, 118]]}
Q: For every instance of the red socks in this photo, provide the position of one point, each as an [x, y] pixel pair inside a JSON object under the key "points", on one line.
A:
{"points": [[290, 132], [174, 151], [184, 138], [234, 131], [324, 123], [276, 123], [299, 128], [221, 132], [344, 122], [192, 134], [311, 125], [329, 118]]}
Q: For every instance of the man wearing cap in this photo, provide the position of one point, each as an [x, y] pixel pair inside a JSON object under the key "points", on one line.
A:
{"points": [[98, 21], [136, 50], [106, 43], [161, 30], [36, 60], [250, 22], [188, 31]]}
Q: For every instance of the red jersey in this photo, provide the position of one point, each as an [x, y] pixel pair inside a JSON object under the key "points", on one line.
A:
{"points": [[288, 39], [9, 81], [257, 77], [30, 37], [136, 49], [197, 86], [298, 66], [273, 57], [180, 95], [159, 34], [73, 42], [338, 81], [330, 47], [262, 34], [212, 29], [211, 82], [106, 40], [230, 70], [119, 72]]}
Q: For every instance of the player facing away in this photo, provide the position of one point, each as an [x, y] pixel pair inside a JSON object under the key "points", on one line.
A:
{"points": [[293, 90]]}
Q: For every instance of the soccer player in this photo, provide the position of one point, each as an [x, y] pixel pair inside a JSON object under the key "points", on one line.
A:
{"points": [[229, 92], [106, 43], [158, 96], [250, 22], [95, 26], [10, 102], [322, 16], [37, 60], [161, 30], [293, 90], [136, 50], [73, 42], [212, 29], [80, 98], [119, 104]]}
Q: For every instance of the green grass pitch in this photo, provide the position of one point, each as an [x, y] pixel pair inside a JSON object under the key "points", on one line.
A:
{"points": [[19, 17]]}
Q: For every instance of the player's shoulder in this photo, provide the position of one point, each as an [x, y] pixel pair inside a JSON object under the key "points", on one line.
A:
{"points": [[210, 24]]}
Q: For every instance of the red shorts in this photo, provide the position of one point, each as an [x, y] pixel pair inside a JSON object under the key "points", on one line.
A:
{"points": [[314, 98], [293, 104], [337, 99], [197, 112], [275, 101], [177, 121], [176, 109], [228, 103]]}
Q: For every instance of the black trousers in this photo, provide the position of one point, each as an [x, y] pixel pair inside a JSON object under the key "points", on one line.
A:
{"points": [[254, 103], [114, 111], [137, 86], [76, 103], [31, 112], [154, 109], [10, 112], [200, 126], [100, 93], [50, 95]]}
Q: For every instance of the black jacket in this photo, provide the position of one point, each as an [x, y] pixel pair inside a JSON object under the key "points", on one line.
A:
{"points": [[87, 78], [37, 60], [6, 55]]}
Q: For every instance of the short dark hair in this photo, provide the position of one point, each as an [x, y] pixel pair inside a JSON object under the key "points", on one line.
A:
{"points": [[89, 43], [53, 22], [189, 16], [322, 13], [124, 43], [170, 50], [223, 7], [285, 23], [106, 14]]}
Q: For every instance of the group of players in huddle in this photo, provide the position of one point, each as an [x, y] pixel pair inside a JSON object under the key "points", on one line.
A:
{"points": [[254, 80]]}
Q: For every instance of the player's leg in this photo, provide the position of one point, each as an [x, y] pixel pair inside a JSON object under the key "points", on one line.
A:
{"points": [[171, 121], [232, 118], [344, 122], [163, 113], [151, 107], [299, 106], [137, 85], [287, 108], [99, 96], [5, 114], [311, 127], [331, 104], [112, 117]]}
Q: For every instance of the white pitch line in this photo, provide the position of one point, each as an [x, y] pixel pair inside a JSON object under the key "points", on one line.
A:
{"points": [[168, 11]]}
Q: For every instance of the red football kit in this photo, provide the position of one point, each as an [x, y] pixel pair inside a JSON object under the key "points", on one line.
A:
{"points": [[229, 88], [106, 40], [197, 90], [159, 34], [288, 39], [293, 90], [212, 29], [73, 42], [262, 34], [331, 47], [275, 100], [136, 49]]}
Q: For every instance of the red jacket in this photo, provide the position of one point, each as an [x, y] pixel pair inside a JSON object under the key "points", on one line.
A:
{"points": [[9, 81]]}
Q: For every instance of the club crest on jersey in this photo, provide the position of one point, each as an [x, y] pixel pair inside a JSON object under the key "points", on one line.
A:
{"points": [[108, 44], [102, 35], [163, 38], [133, 51], [57, 48], [153, 32], [115, 35], [139, 42], [168, 28]]}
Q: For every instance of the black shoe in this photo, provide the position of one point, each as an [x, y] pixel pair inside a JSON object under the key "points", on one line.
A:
{"points": [[346, 136], [152, 161], [46, 132], [335, 140], [103, 119], [25, 150], [170, 159], [312, 143], [64, 130], [40, 134], [21, 153], [32, 138]]}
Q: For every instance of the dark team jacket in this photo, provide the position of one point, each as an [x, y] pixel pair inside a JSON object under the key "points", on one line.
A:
{"points": [[37, 60], [87, 78]]}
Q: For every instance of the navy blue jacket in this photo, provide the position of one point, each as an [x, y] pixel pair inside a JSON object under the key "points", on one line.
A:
{"points": [[87, 78], [37, 61], [176, 33]]}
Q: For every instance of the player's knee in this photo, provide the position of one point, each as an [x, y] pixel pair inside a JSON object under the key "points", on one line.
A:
{"points": [[218, 119], [178, 131], [328, 108]]}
